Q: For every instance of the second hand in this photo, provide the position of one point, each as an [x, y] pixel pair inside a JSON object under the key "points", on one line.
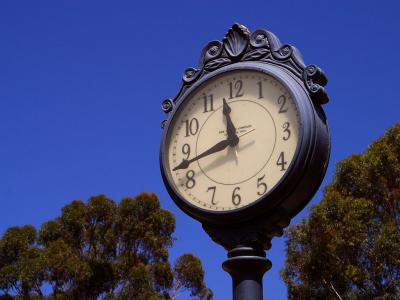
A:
{"points": [[236, 150], [246, 133]]}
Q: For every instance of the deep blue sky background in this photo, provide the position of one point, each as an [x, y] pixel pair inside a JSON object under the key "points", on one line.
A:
{"points": [[81, 84]]}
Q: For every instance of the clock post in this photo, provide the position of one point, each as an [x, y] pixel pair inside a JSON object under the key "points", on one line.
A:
{"points": [[246, 245], [245, 146], [247, 266]]}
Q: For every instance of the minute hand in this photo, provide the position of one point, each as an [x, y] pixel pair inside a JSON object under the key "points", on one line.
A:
{"points": [[216, 148]]}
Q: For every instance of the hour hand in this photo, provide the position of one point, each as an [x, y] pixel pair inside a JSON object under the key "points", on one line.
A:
{"points": [[230, 128], [216, 148], [226, 110]]}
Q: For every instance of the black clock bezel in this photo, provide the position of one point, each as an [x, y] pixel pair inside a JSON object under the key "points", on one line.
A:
{"points": [[313, 142]]}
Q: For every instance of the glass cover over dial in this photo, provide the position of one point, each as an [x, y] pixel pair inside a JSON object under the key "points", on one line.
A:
{"points": [[232, 140]]}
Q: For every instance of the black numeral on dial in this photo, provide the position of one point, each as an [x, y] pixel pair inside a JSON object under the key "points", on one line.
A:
{"points": [[281, 161], [286, 130], [212, 188], [260, 93], [208, 103], [190, 183], [282, 102], [235, 89], [191, 126], [236, 197], [262, 186], [186, 150]]}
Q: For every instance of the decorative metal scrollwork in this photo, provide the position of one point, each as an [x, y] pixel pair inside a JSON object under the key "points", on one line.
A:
{"points": [[236, 40], [239, 44]]}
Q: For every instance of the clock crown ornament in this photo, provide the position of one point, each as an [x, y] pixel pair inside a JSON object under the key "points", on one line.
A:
{"points": [[240, 45]]}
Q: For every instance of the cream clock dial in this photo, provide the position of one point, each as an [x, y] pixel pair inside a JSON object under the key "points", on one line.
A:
{"points": [[232, 140]]}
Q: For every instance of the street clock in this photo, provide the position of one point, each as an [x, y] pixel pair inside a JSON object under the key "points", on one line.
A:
{"points": [[246, 134], [246, 143]]}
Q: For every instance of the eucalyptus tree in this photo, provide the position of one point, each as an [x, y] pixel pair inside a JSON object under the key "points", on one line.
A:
{"points": [[349, 245], [99, 250]]}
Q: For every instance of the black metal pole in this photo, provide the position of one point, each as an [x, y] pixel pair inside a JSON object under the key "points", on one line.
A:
{"points": [[247, 266]]}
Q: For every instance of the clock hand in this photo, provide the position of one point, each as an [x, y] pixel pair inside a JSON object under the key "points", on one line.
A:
{"points": [[216, 148], [246, 133], [236, 151], [230, 128]]}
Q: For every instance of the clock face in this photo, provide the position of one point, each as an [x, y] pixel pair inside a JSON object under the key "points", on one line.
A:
{"points": [[232, 140]]}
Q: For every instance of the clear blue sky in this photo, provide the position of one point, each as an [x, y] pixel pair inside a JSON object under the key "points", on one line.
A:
{"points": [[81, 83]]}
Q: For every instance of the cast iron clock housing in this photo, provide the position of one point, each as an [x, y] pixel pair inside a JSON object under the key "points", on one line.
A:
{"points": [[261, 50]]}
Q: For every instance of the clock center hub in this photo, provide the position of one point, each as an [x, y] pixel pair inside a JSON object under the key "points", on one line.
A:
{"points": [[256, 131]]}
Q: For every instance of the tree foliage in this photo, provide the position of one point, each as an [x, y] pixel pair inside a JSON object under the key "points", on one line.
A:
{"points": [[349, 246], [99, 250]]}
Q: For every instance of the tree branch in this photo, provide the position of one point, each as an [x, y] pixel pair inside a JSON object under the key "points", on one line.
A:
{"points": [[175, 290], [332, 288]]}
